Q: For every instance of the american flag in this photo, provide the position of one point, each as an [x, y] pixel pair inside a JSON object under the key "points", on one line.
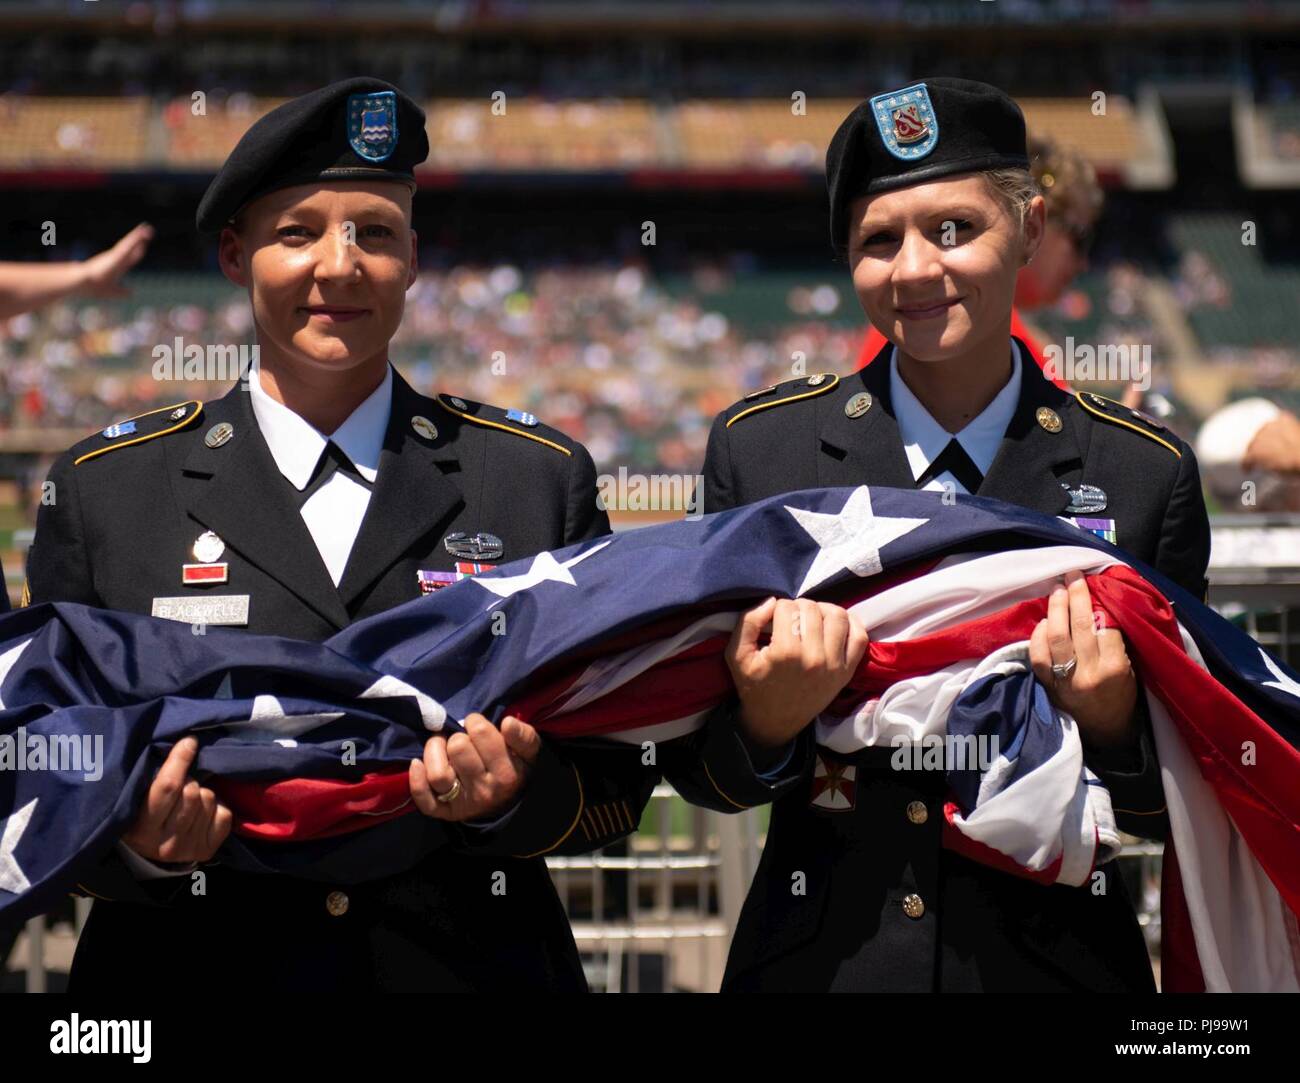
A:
{"points": [[622, 638]]}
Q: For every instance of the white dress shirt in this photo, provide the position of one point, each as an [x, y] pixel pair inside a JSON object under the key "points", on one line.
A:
{"points": [[924, 438], [333, 513]]}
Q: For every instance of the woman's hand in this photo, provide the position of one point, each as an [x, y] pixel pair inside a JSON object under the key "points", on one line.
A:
{"points": [[475, 774], [814, 649], [1100, 691]]}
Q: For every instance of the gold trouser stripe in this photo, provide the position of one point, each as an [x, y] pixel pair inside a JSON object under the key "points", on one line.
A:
{"points": [[147, 436]]}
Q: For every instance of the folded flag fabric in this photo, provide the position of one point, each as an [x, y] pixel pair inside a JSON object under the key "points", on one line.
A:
{"points": [[622, 638]]}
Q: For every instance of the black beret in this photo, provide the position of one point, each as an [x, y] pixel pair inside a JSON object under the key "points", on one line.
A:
{"points": [[356, 129], [933, 128]]}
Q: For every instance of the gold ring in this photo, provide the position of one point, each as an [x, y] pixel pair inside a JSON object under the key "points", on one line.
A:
{"points": [[451, 795]]}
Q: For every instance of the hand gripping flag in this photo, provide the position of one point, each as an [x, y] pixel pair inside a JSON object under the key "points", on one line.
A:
{"points": [[622, 638]]}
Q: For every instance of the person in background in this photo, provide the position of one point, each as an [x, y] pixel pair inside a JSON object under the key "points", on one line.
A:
{"points": [[27, 286]]}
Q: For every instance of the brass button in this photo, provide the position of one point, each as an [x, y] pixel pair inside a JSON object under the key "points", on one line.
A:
{"points": [[336, 902], [917, 812], [913, 907]]}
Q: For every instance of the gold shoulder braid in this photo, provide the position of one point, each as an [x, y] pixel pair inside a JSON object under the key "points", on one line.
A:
{"points": [[813, 386], [443, 401], [1119, 414], [180, 414]]}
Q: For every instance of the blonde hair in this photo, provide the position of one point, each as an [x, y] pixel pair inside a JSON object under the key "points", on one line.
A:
{"points": [[1014, 189]]}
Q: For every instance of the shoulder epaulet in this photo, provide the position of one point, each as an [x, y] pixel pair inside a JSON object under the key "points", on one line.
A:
{"points": [[790, 391], [1119, 414], [142, 427], [480, 414]]}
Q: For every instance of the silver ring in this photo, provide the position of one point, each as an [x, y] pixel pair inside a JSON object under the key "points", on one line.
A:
{"points": [[451, 795], [1062, 670]]}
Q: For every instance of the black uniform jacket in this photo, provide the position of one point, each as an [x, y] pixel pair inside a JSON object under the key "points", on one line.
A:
{"points": [[125, 514], [867, 899]]}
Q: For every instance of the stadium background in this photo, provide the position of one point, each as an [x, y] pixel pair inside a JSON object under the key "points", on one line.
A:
{"points": [[618, 114]]}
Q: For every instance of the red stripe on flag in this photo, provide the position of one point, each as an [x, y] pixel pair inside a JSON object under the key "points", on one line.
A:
{"points": [[297, 809]]}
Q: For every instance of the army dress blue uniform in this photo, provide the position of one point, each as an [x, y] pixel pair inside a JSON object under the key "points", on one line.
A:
{"points": [[886, 907]]}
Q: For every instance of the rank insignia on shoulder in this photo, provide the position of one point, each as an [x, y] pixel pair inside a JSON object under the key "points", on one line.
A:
{"points": [[794, 391], [1119, 414], [834, 785], [144, 427], [461, 409]]}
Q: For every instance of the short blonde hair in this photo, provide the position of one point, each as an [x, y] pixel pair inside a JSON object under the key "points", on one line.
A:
{"points": [[1015, 190]]}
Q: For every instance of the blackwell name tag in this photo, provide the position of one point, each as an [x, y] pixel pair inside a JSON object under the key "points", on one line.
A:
{"points": [[212, 609]]}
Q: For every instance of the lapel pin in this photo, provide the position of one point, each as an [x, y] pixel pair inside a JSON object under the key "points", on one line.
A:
{"points": [[858, 405], [208, 547], [1048, 419], [178, 413], [522, 417], [478, 547], [122, 428], [219, 434], [817, 379], [760, 392], [424, 427], [459, 403]]}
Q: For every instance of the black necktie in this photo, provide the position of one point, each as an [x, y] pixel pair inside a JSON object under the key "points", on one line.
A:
{"points": [[333, 459], [955, 461]]}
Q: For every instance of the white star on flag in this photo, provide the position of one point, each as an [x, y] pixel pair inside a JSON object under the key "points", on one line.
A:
{"points": [[268, 717], [852, 539], [432, 713], [1283, 683], [545, 567], [12, 877], [9, 659]]}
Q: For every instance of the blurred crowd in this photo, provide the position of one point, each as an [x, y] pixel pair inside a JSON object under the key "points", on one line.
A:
{"points": [[611, 355]]}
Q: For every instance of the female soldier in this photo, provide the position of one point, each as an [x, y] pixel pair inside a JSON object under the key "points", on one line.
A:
{"points": [[1073, 200], [932, 202]]}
